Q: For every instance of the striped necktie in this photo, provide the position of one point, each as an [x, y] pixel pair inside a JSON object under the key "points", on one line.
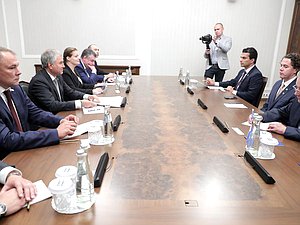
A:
{"points": [[13, 110], [282, 87], [55, 81], [241, 80]]}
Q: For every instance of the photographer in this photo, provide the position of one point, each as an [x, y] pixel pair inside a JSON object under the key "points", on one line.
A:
{"points": [[217, 52]]}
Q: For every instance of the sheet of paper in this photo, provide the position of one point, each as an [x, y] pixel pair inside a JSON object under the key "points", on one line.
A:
{"points": [[114, 101], [238, 131], [263, 126], [80, 129], [42, 192], [216, 88], [94, 110], [235, 105]]}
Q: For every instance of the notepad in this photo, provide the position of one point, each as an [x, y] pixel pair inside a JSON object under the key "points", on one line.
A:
{"points": [[235, 105], [114, 101]]}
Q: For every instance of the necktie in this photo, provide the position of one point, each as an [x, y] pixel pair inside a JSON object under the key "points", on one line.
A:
{"points": [[241, 80], [282, 87], [13, 110], [57, 88]]}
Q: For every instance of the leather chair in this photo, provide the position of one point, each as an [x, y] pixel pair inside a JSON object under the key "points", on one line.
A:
{"points": [[24, 85], [265, 80]]}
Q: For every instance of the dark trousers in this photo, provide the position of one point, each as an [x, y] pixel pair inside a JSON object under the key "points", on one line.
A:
{"points": [[214, 70]]}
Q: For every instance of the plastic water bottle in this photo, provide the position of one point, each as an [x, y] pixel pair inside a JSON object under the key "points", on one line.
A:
{"points": [[253, 137], [108, 126], [180, 75], [117, 81], [84, 180], [187, 79]]}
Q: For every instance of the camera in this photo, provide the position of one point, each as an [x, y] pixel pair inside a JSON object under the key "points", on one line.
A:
{"points": [[206, 39]]}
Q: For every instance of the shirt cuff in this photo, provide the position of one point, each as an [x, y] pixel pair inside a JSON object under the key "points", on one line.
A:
{"points": [[5, 171], [86, 97], [217, 84], [234, 92], [78, 104]]}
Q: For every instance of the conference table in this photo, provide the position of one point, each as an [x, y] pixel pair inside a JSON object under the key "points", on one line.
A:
{"points": [[170, 164]]}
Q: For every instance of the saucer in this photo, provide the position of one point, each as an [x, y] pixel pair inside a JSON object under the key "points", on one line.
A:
{"points": [[261, 157]]}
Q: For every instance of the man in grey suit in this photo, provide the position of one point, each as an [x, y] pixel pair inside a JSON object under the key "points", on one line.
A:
{"points": [[282, 92], [16, 190], [219, 47]]}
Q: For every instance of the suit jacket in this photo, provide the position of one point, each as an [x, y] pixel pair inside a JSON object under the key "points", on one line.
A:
{"points": [[87, 76], [250, 87], [288, 115], [3, 165], [44, 94], [11, 139], [220, 50], [72, 81], [99, 72], [284, 98]]}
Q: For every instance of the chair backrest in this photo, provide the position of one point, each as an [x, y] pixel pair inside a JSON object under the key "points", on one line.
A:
{"points": [[265, 80], [24, 85]]}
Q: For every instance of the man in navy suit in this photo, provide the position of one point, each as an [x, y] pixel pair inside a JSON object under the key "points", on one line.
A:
{"points": [[16, 190], [247, 84], [15, 133], [49, 91], [282, 92], [288, 117]]}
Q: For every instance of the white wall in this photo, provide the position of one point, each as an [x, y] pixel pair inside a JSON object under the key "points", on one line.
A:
{"points": [[158, 35]]}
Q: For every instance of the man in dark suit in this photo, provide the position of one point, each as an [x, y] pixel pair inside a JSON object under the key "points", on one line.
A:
{"points": [[247, 84], [17, 113], [48, 90], [282, 92], [16, 190], [289, 117]]}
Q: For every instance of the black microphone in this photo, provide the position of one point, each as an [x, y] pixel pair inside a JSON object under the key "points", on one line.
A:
{"points": [[123, 103], [201, 104], [100, 171], [181, 82], [189, 90], [221, 126], [259, 168], [127, 89], [116, 123], [130, 81]]}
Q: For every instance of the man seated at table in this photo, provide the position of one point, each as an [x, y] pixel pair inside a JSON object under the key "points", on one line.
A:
{"points": [[282, 92], [48, 90], [288, 117], [17, 113], [87, 69], [16, 191], [248, 82]]}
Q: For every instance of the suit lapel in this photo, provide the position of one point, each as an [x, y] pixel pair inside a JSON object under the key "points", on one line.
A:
{"points": [[50, 82]]}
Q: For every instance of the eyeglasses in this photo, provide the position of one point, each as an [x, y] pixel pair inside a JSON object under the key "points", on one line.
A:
{"points": [[296, 88]]}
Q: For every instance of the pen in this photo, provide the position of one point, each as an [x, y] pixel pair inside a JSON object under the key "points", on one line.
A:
{"points": [[252, 114], [28, 206]]}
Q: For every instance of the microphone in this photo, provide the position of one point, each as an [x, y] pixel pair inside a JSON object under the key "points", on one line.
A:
{"points": [[116, 123], [127, 89], [123, 103], [201, 104], [221, 126], [130, 81], [259, 168], [100, 171], [189, 90], [181, 82]]}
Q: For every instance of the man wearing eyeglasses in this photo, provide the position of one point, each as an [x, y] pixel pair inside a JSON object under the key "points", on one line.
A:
{"points": [[288, 117]]}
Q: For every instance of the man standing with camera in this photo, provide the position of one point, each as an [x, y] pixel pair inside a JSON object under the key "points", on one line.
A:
{"points": [[217, 52]]}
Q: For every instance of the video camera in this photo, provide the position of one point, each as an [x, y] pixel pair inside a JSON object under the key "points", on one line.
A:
{"points": [[206, 39]]}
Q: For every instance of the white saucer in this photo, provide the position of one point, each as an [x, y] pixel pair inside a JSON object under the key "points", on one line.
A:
{"points": [[74, 210], [260, 157]]}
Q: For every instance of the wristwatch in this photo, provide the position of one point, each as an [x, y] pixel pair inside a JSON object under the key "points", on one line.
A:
{"points": [[14, 172], [3, 209]]}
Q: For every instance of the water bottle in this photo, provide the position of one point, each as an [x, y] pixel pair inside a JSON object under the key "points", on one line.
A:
{"points": [[84, 180], [126, 78], [117, 83], [187, 79], [129, 77], [180, 75], [253, 137], [108, 126]]}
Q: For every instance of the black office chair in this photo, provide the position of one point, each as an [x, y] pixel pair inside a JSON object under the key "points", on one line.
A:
{"points": [[24, 85], [265, 80]]}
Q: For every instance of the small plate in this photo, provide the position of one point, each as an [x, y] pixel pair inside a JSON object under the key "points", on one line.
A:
{"points": [[260, 157]]}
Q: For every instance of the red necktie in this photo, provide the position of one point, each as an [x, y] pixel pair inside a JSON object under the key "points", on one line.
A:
{"points": [[13, 110]]}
